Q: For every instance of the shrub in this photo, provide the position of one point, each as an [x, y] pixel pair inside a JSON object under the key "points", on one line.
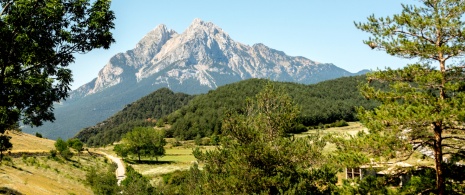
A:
{"points": [[67, 154], [198, 140], [38, 135], [53, 153]]}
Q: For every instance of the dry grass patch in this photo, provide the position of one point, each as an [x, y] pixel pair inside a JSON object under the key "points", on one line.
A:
{"points": [[353, 128], [30, 174], [44, 175], [23, 142]]}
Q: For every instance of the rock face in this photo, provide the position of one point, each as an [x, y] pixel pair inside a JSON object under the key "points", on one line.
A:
{"points": [[200, 59]]}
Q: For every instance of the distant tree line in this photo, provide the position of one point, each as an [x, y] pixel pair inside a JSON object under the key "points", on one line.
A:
{"points": [[191, 116], [322, 103]]}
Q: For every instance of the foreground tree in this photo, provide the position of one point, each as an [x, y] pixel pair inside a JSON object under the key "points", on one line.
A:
{"points": [[38, 40], [423, 106], [257, 155]]}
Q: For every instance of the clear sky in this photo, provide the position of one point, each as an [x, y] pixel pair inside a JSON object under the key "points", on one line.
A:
{"points": [[320, 30]]}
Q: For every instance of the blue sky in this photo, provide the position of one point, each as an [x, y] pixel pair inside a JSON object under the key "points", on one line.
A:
{"points": [[321, 30]]}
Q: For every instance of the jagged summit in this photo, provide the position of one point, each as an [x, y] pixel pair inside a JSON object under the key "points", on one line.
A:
{"points": [[158, 35], [197, 60], [206, 55]]}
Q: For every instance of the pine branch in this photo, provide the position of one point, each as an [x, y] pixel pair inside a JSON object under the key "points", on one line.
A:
{"points": [[453, 137], [4, 8]]}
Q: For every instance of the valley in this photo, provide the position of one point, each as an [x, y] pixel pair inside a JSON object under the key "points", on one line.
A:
{"points": [[33, 171]]}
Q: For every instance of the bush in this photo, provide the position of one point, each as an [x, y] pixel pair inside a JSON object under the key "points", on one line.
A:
{"points": [[61, 145], [38, 135], [340, 123], [298, 128], [198, 140], [176, 142], [214, 140], [53, 153], [102, 181], [67, 154]]}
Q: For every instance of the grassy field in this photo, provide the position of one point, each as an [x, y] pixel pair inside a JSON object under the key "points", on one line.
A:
{"points": [[181, 157], [29, 174], [352, 129], [23, 142], [175, 158]]}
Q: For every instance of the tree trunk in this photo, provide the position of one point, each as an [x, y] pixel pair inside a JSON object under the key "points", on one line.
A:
{"points": [[440, 182]]}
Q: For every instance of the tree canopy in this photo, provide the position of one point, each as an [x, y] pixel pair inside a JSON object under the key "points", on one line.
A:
{"points": [[142, 141], [423, 107], [38, 41], [257, 156]]}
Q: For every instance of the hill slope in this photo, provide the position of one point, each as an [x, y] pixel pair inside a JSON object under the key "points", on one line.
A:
{"points": [[139, 113], [324, 102], [36, 173]]}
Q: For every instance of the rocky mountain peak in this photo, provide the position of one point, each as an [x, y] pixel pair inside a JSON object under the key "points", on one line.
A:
{"points": [[160, 34], [201, 58], [153, 41], [200, 28]]}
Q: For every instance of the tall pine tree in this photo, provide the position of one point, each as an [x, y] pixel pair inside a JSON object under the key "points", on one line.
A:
{"points": [[424, 105]]}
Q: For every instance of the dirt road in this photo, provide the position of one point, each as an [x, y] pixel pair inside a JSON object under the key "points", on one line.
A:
{"points": [[120, 171]]}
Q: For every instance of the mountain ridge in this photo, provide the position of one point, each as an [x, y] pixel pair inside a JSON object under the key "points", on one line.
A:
{"points": [[200, 59]]}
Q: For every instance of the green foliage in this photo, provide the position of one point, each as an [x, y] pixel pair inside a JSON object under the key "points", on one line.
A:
{"points": [[136, 184], [121, 150], [423, 102], [325, 102], [138, 114], [38, 41], [258, 157], [368, 185], [38, 135], [198, 140], [66, 154], [5, 145], [102, 180], [53, 154], [214, 140], [145, 141], [61, 145], [182, 182], [76, 144], [63, 148]]}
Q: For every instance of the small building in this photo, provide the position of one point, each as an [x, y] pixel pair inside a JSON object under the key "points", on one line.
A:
{"points": [[375, 169]]}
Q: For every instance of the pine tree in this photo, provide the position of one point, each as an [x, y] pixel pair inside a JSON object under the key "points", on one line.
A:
{"points": [[257, 155], [423, 107]]}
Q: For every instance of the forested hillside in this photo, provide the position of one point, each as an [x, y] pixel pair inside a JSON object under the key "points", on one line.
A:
{"points": [[325, 102], [143, 112], [189, 116]]}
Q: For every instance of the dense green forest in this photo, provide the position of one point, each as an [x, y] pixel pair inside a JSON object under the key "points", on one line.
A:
{"points": [[322, 103], [143, 112], [190, 116]]}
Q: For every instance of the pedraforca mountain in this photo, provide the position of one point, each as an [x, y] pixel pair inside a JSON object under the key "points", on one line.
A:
{"points": [[200, 59]]}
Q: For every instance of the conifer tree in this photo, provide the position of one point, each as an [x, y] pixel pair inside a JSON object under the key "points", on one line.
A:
{"points": [[424, 104], [257, 155]]}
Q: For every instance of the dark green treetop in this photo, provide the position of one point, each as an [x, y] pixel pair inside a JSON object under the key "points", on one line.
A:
{"points": [[38, 39]]}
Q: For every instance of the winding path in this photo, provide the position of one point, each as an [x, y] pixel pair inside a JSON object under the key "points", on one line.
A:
{"points": [[120, 171]]}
